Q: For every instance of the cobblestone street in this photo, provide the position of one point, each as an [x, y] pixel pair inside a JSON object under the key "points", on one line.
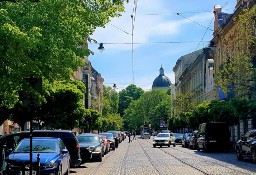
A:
{"points": [[140, 158]]}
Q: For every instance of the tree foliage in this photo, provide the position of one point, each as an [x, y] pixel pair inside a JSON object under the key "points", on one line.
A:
{"points": [[110, 118], [148, 109], [127, 95], [59, 109], [45, 39], [183, 103], [110, 101]]}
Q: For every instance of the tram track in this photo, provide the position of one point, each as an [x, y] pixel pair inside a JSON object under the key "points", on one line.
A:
{"points": [[235, 171], [151, 161]]}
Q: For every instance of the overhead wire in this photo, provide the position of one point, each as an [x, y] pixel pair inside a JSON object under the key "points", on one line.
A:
{"points": [[194, 22]]}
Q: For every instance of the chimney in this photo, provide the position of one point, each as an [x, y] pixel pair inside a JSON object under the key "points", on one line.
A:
{"points": [[217, 10]]}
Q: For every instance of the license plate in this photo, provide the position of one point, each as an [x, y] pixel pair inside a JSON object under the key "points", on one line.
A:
{"points": [[27, 173]]}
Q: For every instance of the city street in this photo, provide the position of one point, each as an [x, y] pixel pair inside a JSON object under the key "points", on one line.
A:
{"points": [[140, 158]]}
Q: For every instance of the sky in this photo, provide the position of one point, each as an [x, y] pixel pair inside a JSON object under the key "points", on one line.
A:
{"points": [[163, 31]]}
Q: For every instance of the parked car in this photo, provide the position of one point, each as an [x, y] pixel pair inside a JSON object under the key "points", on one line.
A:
{"points": [[91, 146], [145, 135], [185, 139], [178, 137], [213, 136], [117, 137], [193, 140], [106, 143], [110, 138], [246, 146], [54, 157], [164, 139], [10, 141]]}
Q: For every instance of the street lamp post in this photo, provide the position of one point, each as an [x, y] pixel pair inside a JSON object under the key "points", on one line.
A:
{"points": [[36, 84]]}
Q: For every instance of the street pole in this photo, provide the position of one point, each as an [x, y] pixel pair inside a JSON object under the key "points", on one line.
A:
{"points": [[132, 51], [31, 136]]}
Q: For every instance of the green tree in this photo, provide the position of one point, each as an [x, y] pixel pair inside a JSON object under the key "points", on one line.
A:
{"points": [[110, 101], [183, 103], [59, 109], [127, 95], [149, 108], [110, 118], [46, 39], [200, 114]]}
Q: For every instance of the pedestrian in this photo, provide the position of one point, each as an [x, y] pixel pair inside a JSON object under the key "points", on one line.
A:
{"points": [[134, 134], [129, 135]]}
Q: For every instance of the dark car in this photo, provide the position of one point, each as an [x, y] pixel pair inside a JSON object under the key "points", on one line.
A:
{"points": [[193, 140], [91, 146], [178, 137], [110, 138], [185, 140], [10, 141], [53, 155], [213, 136], [117, 137], [246, 147]]}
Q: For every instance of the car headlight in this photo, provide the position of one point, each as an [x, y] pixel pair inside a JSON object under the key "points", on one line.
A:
{"points": [[166, 141], [51, 164], [91, 149], [98, 149], [154, 141]]}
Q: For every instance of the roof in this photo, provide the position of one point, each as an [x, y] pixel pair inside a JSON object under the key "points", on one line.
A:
{"points": [[161, 80]]}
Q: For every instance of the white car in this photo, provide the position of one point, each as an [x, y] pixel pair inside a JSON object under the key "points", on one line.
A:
{"points": [[164, 139]]}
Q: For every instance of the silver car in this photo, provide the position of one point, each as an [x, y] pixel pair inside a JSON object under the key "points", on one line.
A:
{"points": [[145, 135], [164, 139]]}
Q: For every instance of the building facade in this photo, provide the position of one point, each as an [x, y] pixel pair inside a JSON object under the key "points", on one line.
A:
{"points": [[230, 42]]}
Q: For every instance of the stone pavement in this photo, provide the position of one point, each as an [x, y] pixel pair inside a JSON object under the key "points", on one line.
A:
{"points": [[140, 158]]}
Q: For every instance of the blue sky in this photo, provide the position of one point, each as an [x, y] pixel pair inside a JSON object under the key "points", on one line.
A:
{"points": [[160, 37]]}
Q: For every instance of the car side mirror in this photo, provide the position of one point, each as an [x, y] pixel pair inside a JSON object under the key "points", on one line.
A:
{"points": [[64, 151]]}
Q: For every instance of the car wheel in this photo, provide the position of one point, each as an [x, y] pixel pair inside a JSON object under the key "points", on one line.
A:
{"points": [[239, 154], [100, 159], [67, 172], [254, 155], [60, 170]]}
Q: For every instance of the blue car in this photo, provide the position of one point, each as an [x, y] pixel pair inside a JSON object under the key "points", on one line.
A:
{"points": [[52, 154]]}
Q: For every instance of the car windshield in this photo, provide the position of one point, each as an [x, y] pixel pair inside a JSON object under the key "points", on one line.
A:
{"points": [[177, 135], [163, 135], [109, 136], [88, 139], [38, 146], [115, 133]]}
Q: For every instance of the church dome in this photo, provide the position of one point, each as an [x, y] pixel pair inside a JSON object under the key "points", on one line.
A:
{"points": [[161, 81]]}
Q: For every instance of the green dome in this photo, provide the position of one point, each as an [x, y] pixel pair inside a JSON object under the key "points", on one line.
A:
{"points": [[161, 80]]}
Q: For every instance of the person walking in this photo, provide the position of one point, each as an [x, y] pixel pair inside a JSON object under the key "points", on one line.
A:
{"points": [[134, 135], [129, 135]]}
